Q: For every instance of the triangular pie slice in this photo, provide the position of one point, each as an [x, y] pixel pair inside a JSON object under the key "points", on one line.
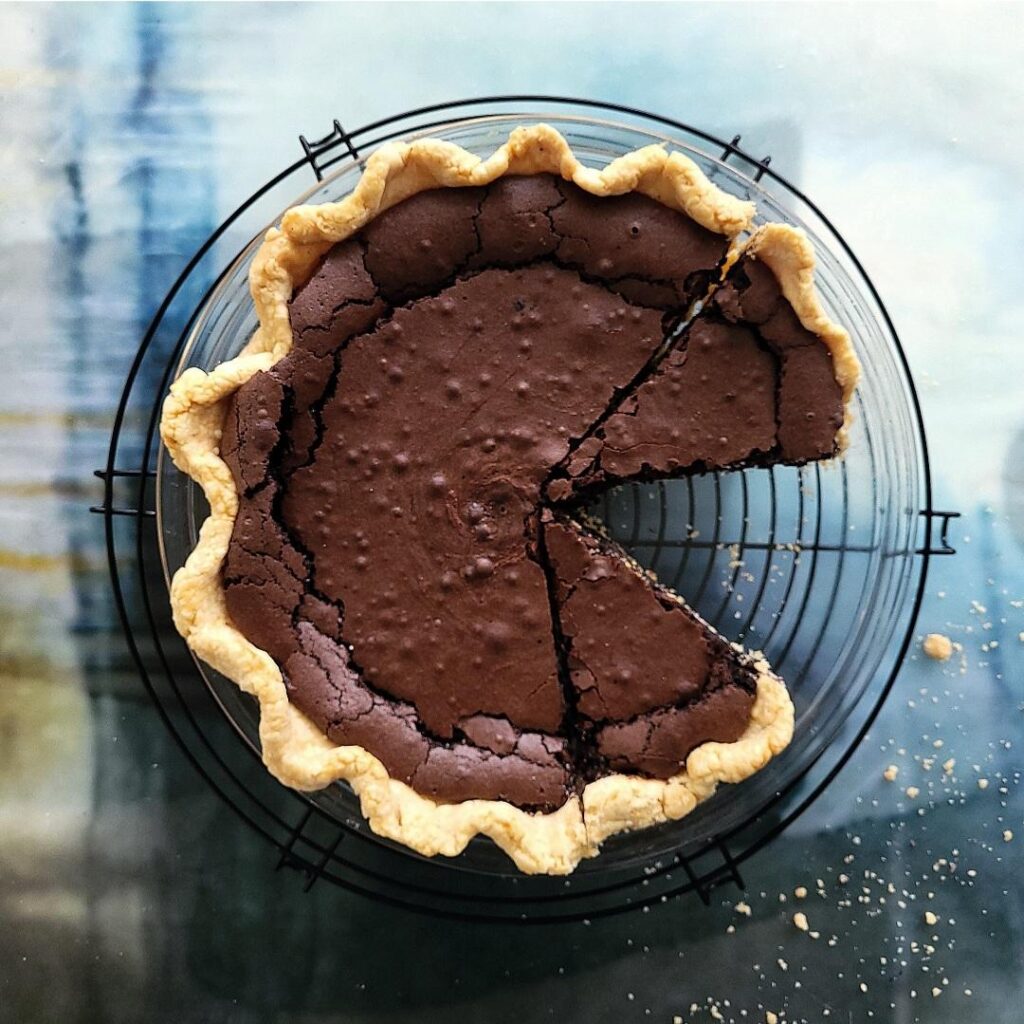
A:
{"points": [[759, 377], [444, 358], [651, 680]]}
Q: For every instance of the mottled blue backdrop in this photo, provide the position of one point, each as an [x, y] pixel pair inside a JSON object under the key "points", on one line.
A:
{"points": [[128, 132]]}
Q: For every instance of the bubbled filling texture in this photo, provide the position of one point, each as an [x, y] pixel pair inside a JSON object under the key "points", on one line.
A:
{"points": [[465, 372]]}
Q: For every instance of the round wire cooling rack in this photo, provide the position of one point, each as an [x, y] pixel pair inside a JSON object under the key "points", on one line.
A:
{"points": [[821, 567]]}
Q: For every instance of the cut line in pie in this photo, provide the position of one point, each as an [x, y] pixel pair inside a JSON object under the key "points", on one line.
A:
{"points": [[449, 363]]}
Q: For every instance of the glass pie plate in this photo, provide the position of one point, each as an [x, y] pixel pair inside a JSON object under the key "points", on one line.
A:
{"points": [[816, 566]]}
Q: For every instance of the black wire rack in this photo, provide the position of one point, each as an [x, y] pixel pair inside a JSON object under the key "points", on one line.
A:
{"points": [[325, 840]]}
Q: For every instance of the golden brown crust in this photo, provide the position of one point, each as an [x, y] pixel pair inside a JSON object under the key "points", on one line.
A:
{"points": [[788, 253], [293, 749]]}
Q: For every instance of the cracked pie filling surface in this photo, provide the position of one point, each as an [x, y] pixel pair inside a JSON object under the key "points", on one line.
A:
{"points": [[450, 362]]}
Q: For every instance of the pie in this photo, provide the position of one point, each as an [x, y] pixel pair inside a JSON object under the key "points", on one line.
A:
{"points": [[450, 363]]}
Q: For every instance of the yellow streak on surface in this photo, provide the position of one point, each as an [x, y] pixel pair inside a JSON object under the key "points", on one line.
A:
{"points": [[34, 561]]}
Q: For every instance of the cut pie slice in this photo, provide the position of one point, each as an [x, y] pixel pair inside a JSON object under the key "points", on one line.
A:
{"points": [[445, 358], [759, 377], [651, 681]]}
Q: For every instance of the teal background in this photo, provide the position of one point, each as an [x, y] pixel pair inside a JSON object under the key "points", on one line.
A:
{"points": [[126, 892]]}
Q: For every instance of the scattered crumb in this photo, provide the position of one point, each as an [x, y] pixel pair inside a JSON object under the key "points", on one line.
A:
{"points": [[948, 766], [800, 920], [913, 792], [800, 892], [982, 783], [890, 773], [1007, 836], [938, 646], [936, 992], [677, 1019], [782, 964], [742, 908], [930, 918], [863, 987]]}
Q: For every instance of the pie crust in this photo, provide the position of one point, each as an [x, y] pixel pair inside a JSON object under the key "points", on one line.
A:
{"points": [[294, 750], [787, 252]]}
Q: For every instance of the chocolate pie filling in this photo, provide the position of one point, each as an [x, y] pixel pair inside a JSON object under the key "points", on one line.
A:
{"points": [[471, 360]]}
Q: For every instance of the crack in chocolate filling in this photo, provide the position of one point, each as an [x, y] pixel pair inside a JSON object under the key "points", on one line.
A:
{"points": [[470, 357]]}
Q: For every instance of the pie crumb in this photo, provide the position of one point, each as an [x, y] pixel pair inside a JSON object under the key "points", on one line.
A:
{"points": [[982, 783], [913, 792], [742, 908], [1007, 835], [930, 918], [800, 920], [890, 773], [938, 646], [800, 892], [771, 1018], [677, 1019], [936, 992]]}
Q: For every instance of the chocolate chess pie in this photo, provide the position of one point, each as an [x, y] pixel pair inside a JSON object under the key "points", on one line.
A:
{"points": [[450, 362]]}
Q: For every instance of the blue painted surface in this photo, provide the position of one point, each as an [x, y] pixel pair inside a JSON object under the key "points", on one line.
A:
{"points": [[128, 132]]}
